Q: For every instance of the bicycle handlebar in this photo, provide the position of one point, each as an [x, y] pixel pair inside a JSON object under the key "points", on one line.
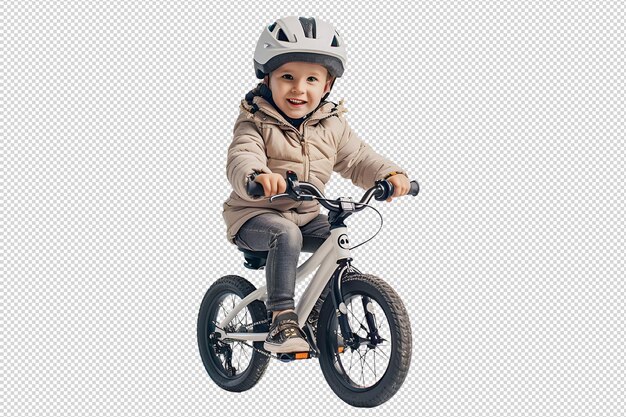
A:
{"points": [[305, 191]]}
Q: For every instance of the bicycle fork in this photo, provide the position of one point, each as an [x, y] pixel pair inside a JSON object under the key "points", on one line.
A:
{"points": [[341, 311]]}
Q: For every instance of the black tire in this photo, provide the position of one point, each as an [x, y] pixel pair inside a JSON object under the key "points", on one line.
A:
{"points": [[392, 323], [231, 288]]}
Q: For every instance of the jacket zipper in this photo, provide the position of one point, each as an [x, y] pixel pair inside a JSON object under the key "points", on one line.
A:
{"points": [[305, 153], [305, 146]]}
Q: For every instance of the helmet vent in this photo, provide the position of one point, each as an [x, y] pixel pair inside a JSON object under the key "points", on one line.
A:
{"points": [[281, 36], [271, 27], [308, 27], [335, 41]]}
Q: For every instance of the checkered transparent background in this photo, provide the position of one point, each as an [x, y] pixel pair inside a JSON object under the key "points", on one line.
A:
{"points": [[116, 117]]}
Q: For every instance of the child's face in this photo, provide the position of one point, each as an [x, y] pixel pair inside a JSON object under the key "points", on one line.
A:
{"points": [[302, 81]]}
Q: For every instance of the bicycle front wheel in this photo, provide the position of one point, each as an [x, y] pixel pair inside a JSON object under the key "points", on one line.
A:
{"points": [[371, 369]]}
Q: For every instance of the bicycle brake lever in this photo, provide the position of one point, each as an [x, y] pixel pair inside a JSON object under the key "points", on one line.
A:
{"points": [[277, 196], [300, 197]]}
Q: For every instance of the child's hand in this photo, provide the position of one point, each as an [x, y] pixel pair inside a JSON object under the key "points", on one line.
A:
{"points": [[401, 185], [272, 184]]}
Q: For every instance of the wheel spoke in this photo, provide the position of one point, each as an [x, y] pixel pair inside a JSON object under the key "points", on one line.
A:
{"points": [[381, 351], [360, 322], [245, 352], [368, 365], [240, 357], [350, 366], [223, 308], [240, 350], [372, 364]]}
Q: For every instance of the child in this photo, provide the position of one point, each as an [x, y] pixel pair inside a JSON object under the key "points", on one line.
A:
{"points": [[284, 124]]}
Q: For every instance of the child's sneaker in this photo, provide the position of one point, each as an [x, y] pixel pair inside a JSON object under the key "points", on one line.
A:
{"points": [[285, 336]]}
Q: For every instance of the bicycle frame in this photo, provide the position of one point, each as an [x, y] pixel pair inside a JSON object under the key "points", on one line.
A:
{"points": [[333, 259]]}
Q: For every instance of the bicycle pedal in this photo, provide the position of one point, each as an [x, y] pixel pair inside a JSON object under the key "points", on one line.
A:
{"points": [[294, 356]]}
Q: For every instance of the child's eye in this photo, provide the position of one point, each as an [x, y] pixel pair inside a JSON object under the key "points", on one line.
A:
{"points": [[290, 77]]}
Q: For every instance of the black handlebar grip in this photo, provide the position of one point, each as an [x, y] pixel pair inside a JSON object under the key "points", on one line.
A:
{"points": [[255, 189], [415, 188]]}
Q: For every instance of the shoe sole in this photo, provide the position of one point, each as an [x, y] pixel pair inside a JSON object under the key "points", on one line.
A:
{"points": [[290, 346]]}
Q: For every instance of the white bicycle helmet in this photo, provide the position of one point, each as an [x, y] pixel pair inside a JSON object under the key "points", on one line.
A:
{"points": [[295, 38]]}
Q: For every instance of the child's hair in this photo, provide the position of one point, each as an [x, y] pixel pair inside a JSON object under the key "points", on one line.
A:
{"points": [[295, 38]]}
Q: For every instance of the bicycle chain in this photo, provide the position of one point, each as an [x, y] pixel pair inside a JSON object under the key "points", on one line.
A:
{"points": [[247, 326], [261, 351], [258, 322]]}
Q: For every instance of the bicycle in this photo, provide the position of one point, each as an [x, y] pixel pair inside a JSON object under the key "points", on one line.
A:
{"points": [[362, 321]]}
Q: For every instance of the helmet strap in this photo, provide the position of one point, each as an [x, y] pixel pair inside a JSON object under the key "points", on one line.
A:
{"points": [[330, 89]]}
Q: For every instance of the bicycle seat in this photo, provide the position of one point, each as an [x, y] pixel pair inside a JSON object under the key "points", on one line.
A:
{"points": [[254, 260]]}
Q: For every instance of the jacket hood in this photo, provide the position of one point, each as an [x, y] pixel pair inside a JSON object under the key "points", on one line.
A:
{"points": [[255, 102]]}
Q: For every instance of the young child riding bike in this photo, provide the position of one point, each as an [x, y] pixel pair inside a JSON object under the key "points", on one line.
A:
{"points": [[286, 124]]}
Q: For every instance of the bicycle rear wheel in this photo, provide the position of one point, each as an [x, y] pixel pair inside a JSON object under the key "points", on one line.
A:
{"points": [[233, 365], [372, 369]]}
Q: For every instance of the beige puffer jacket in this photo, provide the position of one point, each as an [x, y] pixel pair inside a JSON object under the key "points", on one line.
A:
{"points": [[264, 142]]}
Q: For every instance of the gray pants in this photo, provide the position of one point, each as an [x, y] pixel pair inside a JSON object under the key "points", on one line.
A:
{"points": [[284, 240]]}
